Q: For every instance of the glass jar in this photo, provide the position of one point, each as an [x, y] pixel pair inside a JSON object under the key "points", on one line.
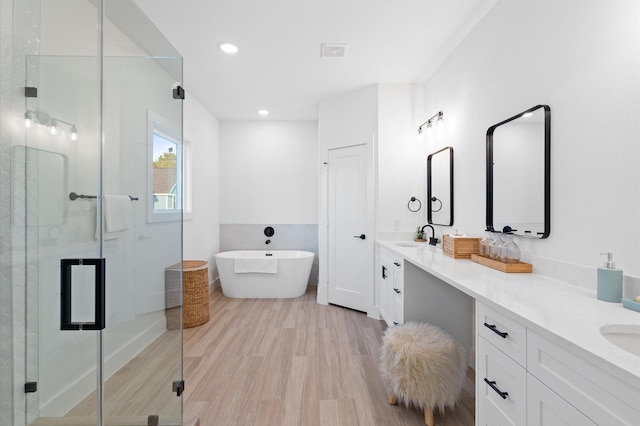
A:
{"points": [[494, 251], [485, 244], [512, 250]]}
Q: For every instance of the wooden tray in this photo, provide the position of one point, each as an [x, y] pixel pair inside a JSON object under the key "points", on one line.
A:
{"points": [[520, 267]]}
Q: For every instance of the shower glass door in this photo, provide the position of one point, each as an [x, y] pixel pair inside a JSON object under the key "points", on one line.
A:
{"points": [[84, 188]]}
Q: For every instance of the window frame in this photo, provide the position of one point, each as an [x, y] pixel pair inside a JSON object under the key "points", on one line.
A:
{"points": [[158, 125]]}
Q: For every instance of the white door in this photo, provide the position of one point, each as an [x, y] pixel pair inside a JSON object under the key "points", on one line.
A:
{"points": [[350, 248]]}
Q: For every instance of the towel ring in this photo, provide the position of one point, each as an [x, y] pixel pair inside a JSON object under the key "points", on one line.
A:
{"points": [[438, 200], [413, 200]]}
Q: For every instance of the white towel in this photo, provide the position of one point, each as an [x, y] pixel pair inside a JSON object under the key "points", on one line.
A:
{"points": [[260, 265], [116, 213], [116, 216]]}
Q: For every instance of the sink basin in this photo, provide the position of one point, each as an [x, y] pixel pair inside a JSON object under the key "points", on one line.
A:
{"points": [[624, 336], [407, 244]]}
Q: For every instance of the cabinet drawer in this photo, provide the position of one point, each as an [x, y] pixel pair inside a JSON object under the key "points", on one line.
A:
{"points": [[497, 373], [605, 399], [505, 333], [545, 407]]}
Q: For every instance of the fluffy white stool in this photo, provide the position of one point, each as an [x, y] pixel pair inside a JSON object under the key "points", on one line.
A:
{"points": [[423, 366]]}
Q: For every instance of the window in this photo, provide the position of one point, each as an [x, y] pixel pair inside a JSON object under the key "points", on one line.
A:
{"points": [[168, 166]]}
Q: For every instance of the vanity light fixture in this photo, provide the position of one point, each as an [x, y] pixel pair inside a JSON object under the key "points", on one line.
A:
{"points": [[263, 112], [437, 118], [527, 114], [228, 48], [44, 119]]}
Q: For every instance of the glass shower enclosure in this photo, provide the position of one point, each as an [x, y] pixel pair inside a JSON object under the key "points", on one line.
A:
{"points": [[97, 143]]}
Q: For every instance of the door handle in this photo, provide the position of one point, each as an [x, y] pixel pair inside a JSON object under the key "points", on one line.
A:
{"points": [[492, 383], [361, 236], [65, 294]]}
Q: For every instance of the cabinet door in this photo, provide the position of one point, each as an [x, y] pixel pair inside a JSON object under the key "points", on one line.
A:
{"points": [[398, 294], [501, 385], [546, 408], [486, 417], [385, 276], [592, 388]]}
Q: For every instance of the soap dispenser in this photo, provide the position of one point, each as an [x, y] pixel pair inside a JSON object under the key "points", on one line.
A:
{"points": [[610, 281]]}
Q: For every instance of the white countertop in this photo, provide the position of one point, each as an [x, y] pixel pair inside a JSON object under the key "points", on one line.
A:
{"points": [[553, 308]]}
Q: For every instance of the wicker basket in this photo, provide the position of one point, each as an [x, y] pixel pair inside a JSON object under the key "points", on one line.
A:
{"points": [[195, 294]]}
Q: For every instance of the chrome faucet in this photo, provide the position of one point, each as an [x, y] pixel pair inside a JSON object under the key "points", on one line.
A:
{"points": [[432, 240]]}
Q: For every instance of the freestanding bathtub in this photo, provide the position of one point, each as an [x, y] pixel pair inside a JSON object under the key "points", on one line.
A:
{"points": [[265, 274]]}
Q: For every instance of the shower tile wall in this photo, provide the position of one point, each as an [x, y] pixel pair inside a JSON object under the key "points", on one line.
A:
{"points": [[286, 237]]}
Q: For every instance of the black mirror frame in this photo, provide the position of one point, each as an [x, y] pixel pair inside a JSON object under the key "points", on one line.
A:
{"points": [[429, 195], [547, 170]]}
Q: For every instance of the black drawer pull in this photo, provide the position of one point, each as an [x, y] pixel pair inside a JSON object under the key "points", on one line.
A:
{"points": [[492, 327], [495, 388], [396, 290]]}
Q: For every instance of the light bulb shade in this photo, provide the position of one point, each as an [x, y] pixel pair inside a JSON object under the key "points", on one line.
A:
{"points": [[74, 133], [53, 129], [28, 121]]}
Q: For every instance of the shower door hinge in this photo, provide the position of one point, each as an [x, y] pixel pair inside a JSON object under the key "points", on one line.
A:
{"points": [[178, 92], [30, 92], [31, 387], [178, 387]]}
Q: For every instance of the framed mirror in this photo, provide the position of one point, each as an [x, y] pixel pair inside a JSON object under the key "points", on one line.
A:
{"points": [[519, 174], [440, 187]]}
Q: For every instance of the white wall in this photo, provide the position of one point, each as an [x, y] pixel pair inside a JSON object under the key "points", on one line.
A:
{"points": [[583, 59], [201, 233], [270, 172], [402, 158]]}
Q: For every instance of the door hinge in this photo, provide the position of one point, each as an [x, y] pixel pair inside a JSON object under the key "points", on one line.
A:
{"points": [[178, 92], [178, 387], [31, 387]]}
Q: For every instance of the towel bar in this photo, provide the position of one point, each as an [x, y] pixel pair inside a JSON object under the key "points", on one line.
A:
{"points": [[73, 196]]}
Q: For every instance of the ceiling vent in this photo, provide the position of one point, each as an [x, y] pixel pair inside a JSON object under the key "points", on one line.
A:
{"points": [[333, 50]]}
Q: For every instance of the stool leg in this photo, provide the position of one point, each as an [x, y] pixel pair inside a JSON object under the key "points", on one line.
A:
{"points": [[429, 418], [392, 399]]}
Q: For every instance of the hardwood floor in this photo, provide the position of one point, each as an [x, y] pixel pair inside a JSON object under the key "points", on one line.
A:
{"points": [[294, 362], [263, 362]]}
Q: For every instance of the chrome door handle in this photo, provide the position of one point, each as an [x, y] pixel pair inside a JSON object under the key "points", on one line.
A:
{"points": [[361, 236]]}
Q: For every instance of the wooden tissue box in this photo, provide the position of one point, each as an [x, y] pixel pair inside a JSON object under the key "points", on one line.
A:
{"points": [[460, 247]]}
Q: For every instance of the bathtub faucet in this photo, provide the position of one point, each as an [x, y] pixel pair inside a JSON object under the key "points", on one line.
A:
{"points": [[432, 240]]}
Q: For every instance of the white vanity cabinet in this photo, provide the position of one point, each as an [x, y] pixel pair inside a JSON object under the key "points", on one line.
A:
{"points": [[525, 378], [501, 376], [391, 287]]}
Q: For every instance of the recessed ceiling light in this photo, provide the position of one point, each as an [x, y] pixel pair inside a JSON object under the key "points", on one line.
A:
{"points": [[263, 112], [228, 48]]}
